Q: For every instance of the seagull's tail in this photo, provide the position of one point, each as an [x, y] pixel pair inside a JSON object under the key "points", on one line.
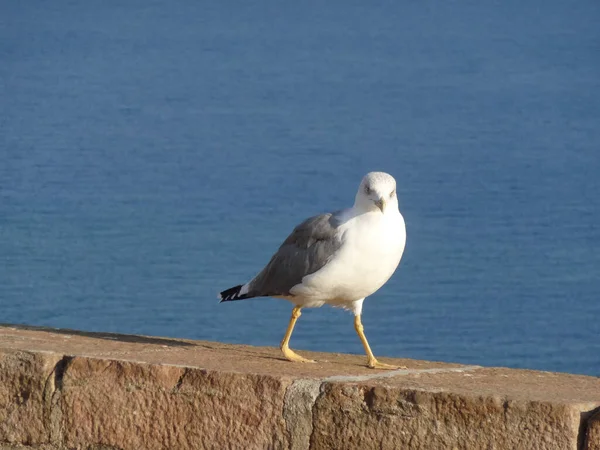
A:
{"points": [[239, 292]]}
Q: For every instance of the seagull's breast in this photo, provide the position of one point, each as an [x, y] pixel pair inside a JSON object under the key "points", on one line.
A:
{"points": [[375, 247], [372, 248]]}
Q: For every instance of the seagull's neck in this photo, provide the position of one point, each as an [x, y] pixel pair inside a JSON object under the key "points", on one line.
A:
{"points": [[390, 213]]}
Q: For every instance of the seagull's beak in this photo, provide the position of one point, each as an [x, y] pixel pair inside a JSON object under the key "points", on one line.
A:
{"points": [[381, 204]]}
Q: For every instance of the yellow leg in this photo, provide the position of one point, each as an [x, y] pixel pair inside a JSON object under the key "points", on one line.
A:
{"points": [[285, 344], [372, 361]]}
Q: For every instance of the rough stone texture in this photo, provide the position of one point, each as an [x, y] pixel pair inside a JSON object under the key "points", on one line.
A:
{"points": [[28, 447], [23, 410], [65, 389], [366, 416], [593, 433], [298, 412], [134, 406]]}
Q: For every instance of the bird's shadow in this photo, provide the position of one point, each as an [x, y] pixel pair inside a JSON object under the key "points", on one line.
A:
{"points": [[116, 337]]}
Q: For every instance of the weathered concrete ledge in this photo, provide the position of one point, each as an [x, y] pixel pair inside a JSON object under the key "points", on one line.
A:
{"points": [[63, 389]]}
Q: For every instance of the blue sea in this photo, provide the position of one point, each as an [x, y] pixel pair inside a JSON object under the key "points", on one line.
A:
{"points": [[154, 153]]}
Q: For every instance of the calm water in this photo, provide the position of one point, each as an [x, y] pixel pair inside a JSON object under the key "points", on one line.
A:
{"points": [[152, 155]]}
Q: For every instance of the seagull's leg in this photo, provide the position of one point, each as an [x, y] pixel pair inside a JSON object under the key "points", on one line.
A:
{"points": [[285, 344], [372, 361]]}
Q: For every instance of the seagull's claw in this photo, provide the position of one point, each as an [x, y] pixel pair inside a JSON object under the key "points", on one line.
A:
{"points": [[294, 357], [374, 364]]}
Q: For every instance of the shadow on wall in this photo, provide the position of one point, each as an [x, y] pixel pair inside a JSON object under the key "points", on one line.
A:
{"points": [[584, 438], [132, 338]]}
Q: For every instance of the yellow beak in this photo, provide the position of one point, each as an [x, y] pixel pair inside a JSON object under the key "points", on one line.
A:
{"points": [[381, 204]]}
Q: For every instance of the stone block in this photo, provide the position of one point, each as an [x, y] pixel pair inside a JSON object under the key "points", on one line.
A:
{"points": [[363, 416], [593, 433], [134, 406], [26, 390]]}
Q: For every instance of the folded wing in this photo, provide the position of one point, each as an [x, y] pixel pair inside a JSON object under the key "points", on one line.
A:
{"points": [[306, 250]]}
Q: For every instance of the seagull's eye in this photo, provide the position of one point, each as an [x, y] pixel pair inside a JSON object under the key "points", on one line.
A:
{"points": [[368, 190], [392, 193]]}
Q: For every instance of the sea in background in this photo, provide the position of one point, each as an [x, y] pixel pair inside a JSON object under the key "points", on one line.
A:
{"points": [[154, 153]]}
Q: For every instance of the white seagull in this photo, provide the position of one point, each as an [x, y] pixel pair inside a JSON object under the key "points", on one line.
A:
{"points": [[336, 258]]}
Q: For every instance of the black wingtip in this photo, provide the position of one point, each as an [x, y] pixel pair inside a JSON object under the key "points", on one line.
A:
{"points": [[232, 294]]}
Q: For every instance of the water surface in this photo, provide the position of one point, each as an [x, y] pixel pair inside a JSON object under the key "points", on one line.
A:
{"points": [[153, 154]]}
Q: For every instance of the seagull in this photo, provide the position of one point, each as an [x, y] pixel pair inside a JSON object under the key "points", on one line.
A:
{"points": [[337, 258]]}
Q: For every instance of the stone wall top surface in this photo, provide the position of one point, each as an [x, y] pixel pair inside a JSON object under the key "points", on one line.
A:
{"points": [[468, 379]]}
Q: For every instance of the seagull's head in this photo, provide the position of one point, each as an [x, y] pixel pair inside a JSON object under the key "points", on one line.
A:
{"points": [[377, 192]]}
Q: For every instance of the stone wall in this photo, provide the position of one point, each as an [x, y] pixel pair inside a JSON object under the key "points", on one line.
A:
{"points": [[64, 389]]}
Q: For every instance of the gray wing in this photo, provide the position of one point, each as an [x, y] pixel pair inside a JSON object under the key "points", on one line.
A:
{"points": [[310, 246]]}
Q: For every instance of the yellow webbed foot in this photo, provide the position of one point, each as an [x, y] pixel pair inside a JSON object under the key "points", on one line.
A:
{"points": [[292, 356], [374, 364], [285, 344]]}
